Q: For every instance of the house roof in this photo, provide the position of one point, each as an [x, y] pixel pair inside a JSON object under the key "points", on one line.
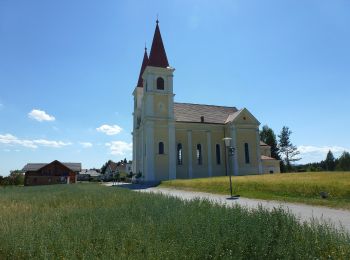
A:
{"points": [[264, 157], [145, 61], [263, 144], [75, 167], [157, 56], [112, 166], [186, 112]]}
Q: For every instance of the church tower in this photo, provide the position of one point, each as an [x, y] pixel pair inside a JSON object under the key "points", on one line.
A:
{"points": [[154, 123]]}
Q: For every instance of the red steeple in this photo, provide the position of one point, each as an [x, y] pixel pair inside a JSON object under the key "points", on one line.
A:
{"points": [[157, 56], [145, 62]]}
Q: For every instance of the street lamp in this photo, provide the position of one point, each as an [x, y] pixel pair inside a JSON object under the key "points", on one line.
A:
{"points": [[230, 151]]}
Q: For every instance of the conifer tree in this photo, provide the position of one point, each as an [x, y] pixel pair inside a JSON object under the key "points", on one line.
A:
{"points": [[287, 149], [329, 163], [344, 162], [268, 137]]}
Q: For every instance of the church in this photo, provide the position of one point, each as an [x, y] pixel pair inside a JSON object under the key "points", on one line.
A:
{"points": [[181, 140]]}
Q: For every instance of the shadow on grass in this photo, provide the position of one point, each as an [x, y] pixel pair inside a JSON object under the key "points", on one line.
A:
{"points": [[137, 186]]}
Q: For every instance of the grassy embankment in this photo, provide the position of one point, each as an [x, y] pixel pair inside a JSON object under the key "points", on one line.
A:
{"points": [[91, 221], [291, 187]]}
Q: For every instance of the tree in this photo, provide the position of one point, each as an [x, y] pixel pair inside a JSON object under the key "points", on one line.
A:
{"points": [[104, 167], [268, 136], [287, 149], [329, 163], [344, 162]]}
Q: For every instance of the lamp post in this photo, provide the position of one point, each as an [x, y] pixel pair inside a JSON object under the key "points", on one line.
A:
{"points": [[230, 151]]}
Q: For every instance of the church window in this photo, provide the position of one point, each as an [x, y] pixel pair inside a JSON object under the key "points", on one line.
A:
{"points": [[246, 151], [161, 148], [218, 157], [160, 83], [199, 154], [179, 154]]}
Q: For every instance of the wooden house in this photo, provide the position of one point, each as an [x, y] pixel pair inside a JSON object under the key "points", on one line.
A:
{"points": [[55, 172]]}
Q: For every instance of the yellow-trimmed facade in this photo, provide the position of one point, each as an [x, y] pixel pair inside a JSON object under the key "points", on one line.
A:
{"points": [[179, 141]]}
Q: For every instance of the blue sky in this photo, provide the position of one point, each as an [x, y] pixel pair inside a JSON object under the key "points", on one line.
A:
{"points": [[74, 64]]}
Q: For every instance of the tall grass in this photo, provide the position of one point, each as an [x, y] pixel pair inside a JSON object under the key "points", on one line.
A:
{"points": [[91, 221], [294, 187]]}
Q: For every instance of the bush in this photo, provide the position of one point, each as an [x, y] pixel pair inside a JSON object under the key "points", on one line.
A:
{"points": [[15, 178]]}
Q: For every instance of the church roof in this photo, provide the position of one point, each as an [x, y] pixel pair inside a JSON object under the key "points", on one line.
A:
{"points": [[157, 57], [145, 61], [185, 112]]}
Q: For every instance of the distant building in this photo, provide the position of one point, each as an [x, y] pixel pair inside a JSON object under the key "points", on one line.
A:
{"points": [[128, 167], [114, 168], [89, 175], [51, 173]]}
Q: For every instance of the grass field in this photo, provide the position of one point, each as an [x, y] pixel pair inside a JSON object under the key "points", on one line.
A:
{"points": [[291, 187], [92, 221]]}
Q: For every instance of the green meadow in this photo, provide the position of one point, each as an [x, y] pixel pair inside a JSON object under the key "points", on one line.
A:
{"points": [[88, 221], [290, 187]]}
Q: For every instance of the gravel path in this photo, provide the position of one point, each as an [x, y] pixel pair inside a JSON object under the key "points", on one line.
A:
{"points": [[340, 218]]}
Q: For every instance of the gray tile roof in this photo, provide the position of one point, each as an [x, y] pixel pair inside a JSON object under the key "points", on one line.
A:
{"points": [[33, 166], [75, 167], [185, 112]]}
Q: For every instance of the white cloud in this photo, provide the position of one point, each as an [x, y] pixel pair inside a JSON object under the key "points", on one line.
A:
{"points": [[310, 153], [119, 147], [86, 144], [40, 115], [109, 129], [320, 149], [9, 139], [49, 143]]}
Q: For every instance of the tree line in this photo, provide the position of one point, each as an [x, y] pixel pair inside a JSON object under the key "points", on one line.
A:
{"points": [[330, 163], [283, 150]]}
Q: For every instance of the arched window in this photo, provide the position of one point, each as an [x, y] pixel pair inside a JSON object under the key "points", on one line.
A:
{"points": [[160, 83], [179, 154], [246, 151], [199, 154], [161, 148], [218, 157]]}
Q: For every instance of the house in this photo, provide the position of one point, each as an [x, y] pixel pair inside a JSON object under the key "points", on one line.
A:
{"points": [[185, 140], [114, 168], [128, 167], [110, 172], [89, 175], [55, 172]]}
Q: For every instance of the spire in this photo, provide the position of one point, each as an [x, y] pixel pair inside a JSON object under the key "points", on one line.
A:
{"points": [[145, 62], [157, 57]]}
